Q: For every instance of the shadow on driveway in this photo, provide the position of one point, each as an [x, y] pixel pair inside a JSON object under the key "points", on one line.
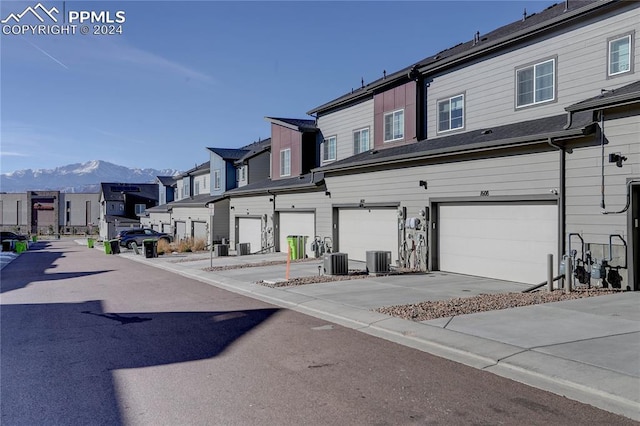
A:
{"points": [[57, 359]]}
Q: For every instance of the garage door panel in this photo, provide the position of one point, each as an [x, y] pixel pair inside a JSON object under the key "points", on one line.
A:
{"points": [[509, 241], [296, 224], [362, 230], [200, 230], [250, 231]]}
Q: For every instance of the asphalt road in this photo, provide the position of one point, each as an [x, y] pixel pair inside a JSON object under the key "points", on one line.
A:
{"points": [[89, 339]]}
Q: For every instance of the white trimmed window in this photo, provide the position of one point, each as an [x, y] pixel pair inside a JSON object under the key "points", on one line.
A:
{"points": [[285, 162], [451, 113], [361, 141], [536, 83], [329, 149], [197, 188], [216, 179], [619, 55], [140, 208], [394, 125]]}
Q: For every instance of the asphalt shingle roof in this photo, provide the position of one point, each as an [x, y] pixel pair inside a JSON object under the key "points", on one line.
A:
{"points": [[115, 191], [495, 137], [167, 180], [306, 181], [303, 125], [229, 154], [624, 94]]}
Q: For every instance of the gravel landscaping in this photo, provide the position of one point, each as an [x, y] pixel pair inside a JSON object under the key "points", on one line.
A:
{"points": [[484, 302]]}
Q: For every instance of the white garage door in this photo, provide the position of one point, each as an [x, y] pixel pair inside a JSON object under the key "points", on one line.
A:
{"points": [[362, 230], [502, 241], [297, 224], [181, 230], [200, 230], [250, 231]]}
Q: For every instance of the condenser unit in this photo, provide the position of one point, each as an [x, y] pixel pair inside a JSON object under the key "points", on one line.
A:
{"points": [[221, 250], [243, 249], [336, 264], [378, 262]]}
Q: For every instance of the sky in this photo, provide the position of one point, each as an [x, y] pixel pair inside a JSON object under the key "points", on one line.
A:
{"points": [[176, 77]]}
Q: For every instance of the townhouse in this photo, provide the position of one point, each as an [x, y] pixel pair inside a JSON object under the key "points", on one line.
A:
{"points": [[480, 159]]}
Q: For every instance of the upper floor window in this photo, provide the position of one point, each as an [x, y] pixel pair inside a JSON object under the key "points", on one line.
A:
{"points": [[620, 53], [196, 190], [451, 113], [536, 83], [216, 179], [361, 141], [185, 189], [285, 162], [204, 182], [394, 125], [140, 208], [329, 149], [244, 173]]}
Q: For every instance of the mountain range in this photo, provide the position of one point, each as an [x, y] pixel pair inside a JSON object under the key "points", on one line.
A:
{"points": [[79, 177]]}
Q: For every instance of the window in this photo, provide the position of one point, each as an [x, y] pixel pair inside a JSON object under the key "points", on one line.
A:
{"points": [[140, 208], [361, 141], [536, 83], [244, 172], [285, 162], [329, 149], [451, 114], [197, 188], [394, 125], [185, 188], [204, 183], [619, 55], [216, 179]]}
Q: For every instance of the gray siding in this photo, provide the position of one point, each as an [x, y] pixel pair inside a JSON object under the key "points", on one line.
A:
{"points": [[249, 207], [583, 210], [10, 216], [515, 176], [342, 124], [221, 220], [309, 201], [260, 167], [581, 72]]}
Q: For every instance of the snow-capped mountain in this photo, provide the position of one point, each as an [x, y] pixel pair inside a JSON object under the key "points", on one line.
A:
{"points": [[79, 177]]}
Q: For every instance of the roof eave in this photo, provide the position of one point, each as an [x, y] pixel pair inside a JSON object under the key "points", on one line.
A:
{"points": [[612, 101]]}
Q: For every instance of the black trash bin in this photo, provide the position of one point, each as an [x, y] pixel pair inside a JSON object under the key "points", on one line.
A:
{"points": [[6, 245], [115, 246], [150, 248]]}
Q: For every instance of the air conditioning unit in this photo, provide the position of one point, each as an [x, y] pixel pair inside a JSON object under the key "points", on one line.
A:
{"points": [[243, 249], [378, 262], [221, 250], [336, 264]]}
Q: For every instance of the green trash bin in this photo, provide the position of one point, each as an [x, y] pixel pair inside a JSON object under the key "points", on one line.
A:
{"points": [[34, 238], [293, 248], [107, 247], [90, 242], [21, 246]]}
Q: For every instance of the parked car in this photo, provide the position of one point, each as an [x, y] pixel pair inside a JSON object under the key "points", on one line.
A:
{"points": [[137, 236], [6, 235]]}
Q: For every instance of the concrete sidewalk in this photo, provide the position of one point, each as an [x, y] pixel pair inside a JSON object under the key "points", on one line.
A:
{"points": [[586, 349]]}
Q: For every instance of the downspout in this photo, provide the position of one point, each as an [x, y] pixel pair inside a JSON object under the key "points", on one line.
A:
{"points": [[273, 217], [562, 197], [602, 205]]}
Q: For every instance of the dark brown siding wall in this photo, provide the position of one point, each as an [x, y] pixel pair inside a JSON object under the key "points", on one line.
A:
{"points": [[283, 138], [394, 99]]}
